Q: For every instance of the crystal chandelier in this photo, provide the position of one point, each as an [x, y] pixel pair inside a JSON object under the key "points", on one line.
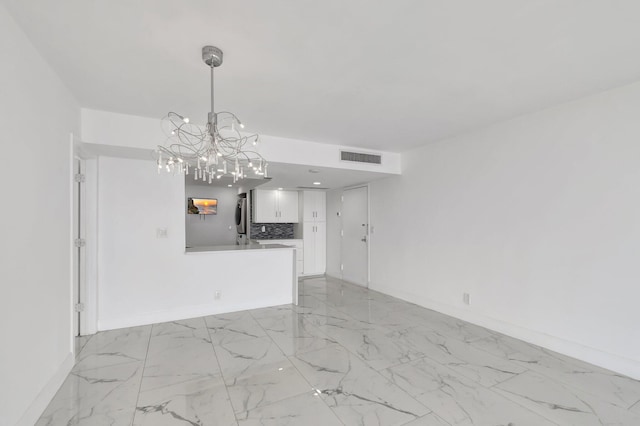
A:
{"points": [[215, 150]]}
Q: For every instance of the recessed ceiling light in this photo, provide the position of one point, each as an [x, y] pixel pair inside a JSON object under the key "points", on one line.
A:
{"points": [[229, 185], [314, 171], [317, 183], [279, 189]]}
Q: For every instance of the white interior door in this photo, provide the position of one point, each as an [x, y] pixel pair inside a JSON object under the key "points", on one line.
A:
{"points": [[355, 239]]}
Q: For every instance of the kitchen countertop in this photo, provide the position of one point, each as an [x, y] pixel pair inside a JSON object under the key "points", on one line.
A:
{"points": [[276, 240], [243, 247]]}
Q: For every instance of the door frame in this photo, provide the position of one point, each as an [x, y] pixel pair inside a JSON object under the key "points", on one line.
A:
{"points": [[347, 188], [87, 273], [77, 252]]}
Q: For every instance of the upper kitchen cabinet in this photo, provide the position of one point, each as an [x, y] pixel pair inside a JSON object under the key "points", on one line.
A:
{"points": [[314, 206], [271, 206]]}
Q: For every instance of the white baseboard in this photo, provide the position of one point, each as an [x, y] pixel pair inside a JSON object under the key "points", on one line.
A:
{"points": [[37, 407], [146, 318], [613, 362]]}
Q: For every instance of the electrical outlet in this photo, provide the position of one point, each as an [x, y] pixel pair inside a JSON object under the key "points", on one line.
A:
{"points": [[161, 233], [217, 295], [465, 298]]}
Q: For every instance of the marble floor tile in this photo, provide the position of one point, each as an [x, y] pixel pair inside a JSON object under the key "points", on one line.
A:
{"points": [[563, 404], [463, 358], [446, 325], [379, 347], [293, 334], [179, 356], [233, 327], [375, 312], [322, 316], [428, 420], [270, 311], [249, 357], [267, 387], [196, 402], [607, 385], [100, 396], [356, 393], [114, 347], [302, 410], [345, 356], [456, 399], [193, 327]]}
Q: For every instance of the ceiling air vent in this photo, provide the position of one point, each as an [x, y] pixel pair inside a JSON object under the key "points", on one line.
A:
{"points": [[359, 157]]}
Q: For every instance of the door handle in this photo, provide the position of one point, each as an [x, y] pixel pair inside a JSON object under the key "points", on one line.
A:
{"points": [[364, 239]]}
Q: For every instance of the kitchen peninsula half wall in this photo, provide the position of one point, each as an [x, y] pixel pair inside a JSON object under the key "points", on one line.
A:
{"points": [[145, 274]]}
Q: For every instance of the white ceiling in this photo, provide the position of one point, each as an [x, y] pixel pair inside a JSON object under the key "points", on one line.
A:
{"points": [[384, 75]]}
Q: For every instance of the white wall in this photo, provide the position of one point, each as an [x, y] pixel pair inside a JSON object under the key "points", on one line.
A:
{"points": [[107, 128], [144, 279], [37, 115], [211, 230], [537, 218]]}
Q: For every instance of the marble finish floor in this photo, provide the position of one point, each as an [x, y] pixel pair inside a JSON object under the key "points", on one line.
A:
{"points": [[344, 356]]}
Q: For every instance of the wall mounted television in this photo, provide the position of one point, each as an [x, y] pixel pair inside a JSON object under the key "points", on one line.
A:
{"points": [[202, 206]]}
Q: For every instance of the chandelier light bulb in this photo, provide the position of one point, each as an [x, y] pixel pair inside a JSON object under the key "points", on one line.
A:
{"points": [[241, 126], [186, 120]]}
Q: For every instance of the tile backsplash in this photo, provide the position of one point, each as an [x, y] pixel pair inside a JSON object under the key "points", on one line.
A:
{"points": [[272, 231]]}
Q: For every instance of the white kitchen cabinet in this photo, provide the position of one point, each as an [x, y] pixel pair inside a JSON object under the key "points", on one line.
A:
{"points": [[314, 206], [288, 206], [315, 247], [275, 206]]}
